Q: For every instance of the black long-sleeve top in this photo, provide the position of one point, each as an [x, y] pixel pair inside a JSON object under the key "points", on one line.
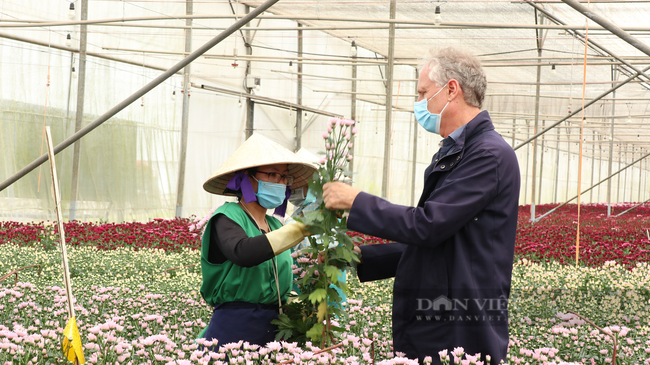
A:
{"points": [[228, 241]]}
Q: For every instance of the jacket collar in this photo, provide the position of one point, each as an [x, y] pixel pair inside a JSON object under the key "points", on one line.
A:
{"points": [[481, 123]]}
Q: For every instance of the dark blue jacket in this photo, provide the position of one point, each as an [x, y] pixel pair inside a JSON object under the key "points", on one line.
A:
{"points": [[453, 266]]}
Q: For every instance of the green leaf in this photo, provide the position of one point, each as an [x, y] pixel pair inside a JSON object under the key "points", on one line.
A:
{"points": [[318, 295], [333, 295], [315, 332], [283, 335], [322, 311], [332, 273]]}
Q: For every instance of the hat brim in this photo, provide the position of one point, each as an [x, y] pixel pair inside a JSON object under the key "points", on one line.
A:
{"points": [[259, 151]]}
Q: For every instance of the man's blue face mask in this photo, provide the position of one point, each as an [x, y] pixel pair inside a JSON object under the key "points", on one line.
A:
{"points": [[428, 120]]}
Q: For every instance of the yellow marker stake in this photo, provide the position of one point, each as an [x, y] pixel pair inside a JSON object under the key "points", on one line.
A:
{"points": [[72, 340], [72, 348]]}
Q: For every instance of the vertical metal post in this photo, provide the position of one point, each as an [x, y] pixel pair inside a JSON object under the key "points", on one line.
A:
{"points": [[186, 112], [81, 88], [625, 189], [600, 167], [593, 165], [389, 100], [557, 165], [541, 165], [620, 166], [568, 164], [537, 90], [527, 162], [298, 137], [250, 117], [415, 148], [514, 130], [353, 100], [67, 109], [250, 104], [640, 176], [611, 146]]}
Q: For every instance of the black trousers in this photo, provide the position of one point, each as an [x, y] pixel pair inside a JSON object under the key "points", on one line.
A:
{"points": [[241, 321]]}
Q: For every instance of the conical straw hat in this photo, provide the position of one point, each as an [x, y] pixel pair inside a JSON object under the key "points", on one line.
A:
{"points": [[307, 156], [259, 151]]}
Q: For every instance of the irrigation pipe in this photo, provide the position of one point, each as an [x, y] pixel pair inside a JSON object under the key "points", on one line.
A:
{"points": [[138, 94]]}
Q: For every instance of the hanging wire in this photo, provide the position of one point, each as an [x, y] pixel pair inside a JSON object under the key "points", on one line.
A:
{"points": [[582, 123]]}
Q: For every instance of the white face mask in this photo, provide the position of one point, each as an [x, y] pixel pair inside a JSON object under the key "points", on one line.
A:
{"points": [[428, 120]]}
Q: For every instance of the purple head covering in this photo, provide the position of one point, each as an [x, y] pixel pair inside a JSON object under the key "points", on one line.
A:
{"points": [[241, 182]]}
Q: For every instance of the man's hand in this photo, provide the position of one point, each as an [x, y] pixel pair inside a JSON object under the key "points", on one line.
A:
{"points": [[338, 195]]}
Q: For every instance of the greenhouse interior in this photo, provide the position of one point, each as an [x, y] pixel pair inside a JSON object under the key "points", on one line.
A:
{"points": [[570, 95], [117, 118]]}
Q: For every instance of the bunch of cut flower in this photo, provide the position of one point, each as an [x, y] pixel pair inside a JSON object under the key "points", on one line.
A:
{"points": [[319, 266]]}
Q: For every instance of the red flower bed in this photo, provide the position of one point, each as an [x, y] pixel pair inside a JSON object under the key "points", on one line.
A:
{"points": [[623, 239], [167, 234]]}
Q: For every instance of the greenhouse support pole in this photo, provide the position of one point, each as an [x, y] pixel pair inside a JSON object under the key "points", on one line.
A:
{"points": [[584, 191], [618, 182], [600, 167], [637, 72], [557, 166], [587, 104], [624, 154], [389, 100], [186, 111], [611, 148], [81, 90], [514, 130], [67, 108], [568, 162], [540, 44], [640, 176], [298, 137], [527, 162], [593, 164], [353, 102], [613, 28], [541, 167], [250, 104], [135, 96]]}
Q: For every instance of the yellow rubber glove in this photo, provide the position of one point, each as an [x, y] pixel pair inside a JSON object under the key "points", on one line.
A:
{"points": [[287, 236]]}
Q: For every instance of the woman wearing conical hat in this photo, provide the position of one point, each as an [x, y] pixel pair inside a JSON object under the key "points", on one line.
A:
{"points": [[245, 256]]}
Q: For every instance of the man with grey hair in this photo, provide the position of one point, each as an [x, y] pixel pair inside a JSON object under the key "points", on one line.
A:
{"points": [[453, 253]]}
